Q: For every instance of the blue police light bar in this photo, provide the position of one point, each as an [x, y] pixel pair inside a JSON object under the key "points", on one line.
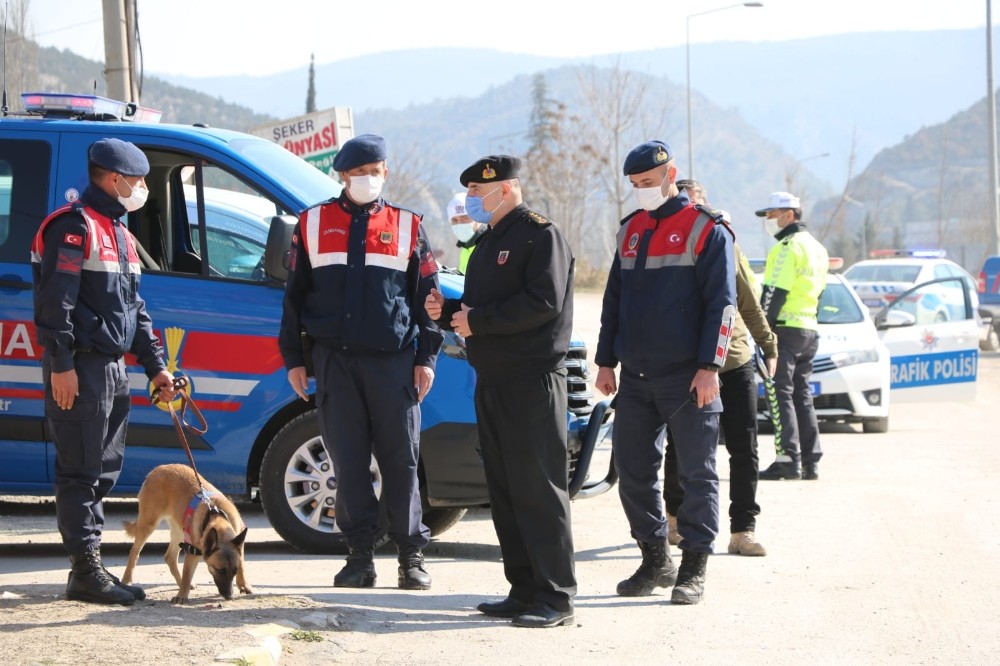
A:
{"points": [[75, 106]]}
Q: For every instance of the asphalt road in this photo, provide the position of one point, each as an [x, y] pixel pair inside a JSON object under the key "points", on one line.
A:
{"points": [[893, 556]]}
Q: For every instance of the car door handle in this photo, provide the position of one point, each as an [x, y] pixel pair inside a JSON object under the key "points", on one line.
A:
{"points": [[13, 282]]}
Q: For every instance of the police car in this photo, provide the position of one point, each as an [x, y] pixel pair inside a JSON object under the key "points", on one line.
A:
{"points": [[902, 353], [851, 371], [881, 279], [214, 294]]}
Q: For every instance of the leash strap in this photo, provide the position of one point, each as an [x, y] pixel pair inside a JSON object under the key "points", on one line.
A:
{"points": [[180, 422]]}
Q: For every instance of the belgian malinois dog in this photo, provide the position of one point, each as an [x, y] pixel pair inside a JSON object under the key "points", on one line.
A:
{"points": [[202, 521]]}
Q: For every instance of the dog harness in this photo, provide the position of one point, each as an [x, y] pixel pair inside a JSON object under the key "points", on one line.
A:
{"points": [[199, 497]]}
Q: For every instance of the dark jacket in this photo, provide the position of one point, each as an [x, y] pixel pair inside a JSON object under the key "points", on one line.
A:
{"points": [[671, 293], [357, 280], [520, 288], [86, 285]]}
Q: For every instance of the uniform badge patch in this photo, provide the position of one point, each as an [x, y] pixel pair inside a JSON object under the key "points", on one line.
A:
{"points": [[502, 257], [489, 172], [661, 156], [106, 242], [385, 237], [633, 241]]}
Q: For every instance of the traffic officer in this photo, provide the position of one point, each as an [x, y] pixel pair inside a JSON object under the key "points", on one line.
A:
{"points": [[794, 278], [359, 271], [88, 315], [516, 315], [738, 420], [466, 230], [667, 315]]}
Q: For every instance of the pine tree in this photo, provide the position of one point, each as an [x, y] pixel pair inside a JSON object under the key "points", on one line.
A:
{"points": [[311, 95]]}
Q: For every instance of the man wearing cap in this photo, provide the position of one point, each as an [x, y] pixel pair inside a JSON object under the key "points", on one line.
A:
{"points": [[794, 278], [738, 420], [466, 230], [667, 316], [516, 315], [359, 271], [88, 314]]}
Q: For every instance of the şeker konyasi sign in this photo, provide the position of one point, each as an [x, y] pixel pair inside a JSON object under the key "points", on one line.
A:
{"points": [[315, 137]]}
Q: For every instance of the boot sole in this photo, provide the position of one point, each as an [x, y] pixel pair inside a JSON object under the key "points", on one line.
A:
{"points": [[367, 582], [666, 580], [684, 600], [76, 596], [528, 624], [412, 586]]}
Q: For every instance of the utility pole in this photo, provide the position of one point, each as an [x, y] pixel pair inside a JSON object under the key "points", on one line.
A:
{"points": [[992, 121], [119, 47]]}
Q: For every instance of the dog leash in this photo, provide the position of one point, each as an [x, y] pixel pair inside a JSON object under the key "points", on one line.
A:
{"points": [[180, 423], [180, 386]]}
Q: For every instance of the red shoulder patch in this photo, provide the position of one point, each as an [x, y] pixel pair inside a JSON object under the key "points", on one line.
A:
{"points": [[73, 239]]}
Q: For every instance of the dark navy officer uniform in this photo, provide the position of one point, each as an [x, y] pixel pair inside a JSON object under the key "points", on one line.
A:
{"points": [[519, 286], [356, 284], [668, 309], [88, 314]]}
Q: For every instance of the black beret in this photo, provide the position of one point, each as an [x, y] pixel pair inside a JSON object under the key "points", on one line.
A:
{"points": [[491, 169], [362, 149], [119, 156], [646, 156]]}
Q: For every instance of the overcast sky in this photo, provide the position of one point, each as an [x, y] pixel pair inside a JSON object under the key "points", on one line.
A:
{"points": [[228, 37]]}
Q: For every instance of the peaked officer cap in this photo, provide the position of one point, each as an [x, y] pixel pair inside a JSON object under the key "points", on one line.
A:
{"points": [[490, 169], [646, 156], [362, 149], [119, 156]]}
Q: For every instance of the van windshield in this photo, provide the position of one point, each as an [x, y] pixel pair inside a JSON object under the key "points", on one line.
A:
{"points": [[291, 173]]}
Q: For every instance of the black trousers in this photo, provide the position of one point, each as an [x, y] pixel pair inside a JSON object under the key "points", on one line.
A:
{"points": [[368, 406], [738, 424], [799, 427], [90, 446], [522, 429]]}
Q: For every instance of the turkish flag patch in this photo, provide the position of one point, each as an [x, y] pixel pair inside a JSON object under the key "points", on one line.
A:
{"points": [[428, 266], [73, 239]]}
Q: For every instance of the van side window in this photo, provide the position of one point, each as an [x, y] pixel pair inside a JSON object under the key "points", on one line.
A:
{"points": [[24, 185], [169, 226]]}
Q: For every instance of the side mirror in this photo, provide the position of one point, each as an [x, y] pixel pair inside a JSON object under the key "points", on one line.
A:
{"points": [[894, 318], [279, 240]]}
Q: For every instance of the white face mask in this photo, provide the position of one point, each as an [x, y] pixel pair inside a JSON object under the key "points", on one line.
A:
{"points": [[651, 198], [463, 232], [771, 224], [135, 200], [365, 189]]}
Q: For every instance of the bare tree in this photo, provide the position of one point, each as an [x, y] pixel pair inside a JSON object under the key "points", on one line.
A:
{"points": [[561, 168], [613, 102]]}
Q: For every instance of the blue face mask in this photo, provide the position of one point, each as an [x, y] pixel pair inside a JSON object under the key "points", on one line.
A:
{"points": [[474, 208]]}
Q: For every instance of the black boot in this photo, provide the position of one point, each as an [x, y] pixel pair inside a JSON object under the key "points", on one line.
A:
{"points": [[412, 573], [810, 471], [781, 470], [359, 570], [656, 570], [134, 590], [690, 579], [88, 581]]}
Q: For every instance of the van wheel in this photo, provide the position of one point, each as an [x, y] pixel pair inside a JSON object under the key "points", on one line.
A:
{"points": [[298, 489], [876, 425], [441, 519]]}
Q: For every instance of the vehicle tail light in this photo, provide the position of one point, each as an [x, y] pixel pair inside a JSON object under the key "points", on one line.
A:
{"points": [[981, 286]]}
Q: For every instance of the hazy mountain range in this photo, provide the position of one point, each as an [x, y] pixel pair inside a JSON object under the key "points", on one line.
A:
{"points": [[909, 104]]}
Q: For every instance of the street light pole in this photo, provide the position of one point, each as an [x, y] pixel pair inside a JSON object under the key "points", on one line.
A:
{"points": [[687, 60], [792, 173], [992, 118]]}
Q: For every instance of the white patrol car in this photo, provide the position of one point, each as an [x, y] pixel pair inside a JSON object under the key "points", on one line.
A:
{"points": [[881, 279], [902, 353]]}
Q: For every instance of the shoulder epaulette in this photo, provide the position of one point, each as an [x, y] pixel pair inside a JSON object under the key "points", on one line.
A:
{"points": [[717, 216], [538, 219], [629, 216]]}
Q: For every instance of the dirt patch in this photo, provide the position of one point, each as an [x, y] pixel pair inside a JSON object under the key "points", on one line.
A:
{"points": [[42, 627]]}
